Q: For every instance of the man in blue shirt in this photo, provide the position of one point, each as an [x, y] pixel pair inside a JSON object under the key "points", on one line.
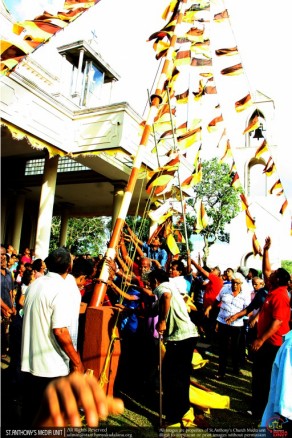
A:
{"points": [[154, 252], [7, 308], [279, 406]]}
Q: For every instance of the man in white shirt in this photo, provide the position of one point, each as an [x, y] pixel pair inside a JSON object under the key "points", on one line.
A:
{"points": [[180, 338], [51, 312], [232, 301]]}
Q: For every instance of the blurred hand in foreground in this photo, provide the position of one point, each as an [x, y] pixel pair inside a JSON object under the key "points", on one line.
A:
{"points": [[64, 396]]}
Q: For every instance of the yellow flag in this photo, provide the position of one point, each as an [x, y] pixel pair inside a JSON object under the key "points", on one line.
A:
{"points": [[243, 103], [250, 222], [191, 137], [275, 187], [261, 149], [172, 245], [253, 125]]}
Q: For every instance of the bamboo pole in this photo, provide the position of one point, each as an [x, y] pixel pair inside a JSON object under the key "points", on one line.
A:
{"points": [[101, 286], [160, 380], [178, 177]]}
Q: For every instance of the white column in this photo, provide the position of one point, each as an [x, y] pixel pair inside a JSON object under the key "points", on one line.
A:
{"points": [[46, 207], [118, 195], [64, 224]]}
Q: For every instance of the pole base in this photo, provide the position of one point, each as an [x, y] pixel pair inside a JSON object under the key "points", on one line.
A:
{"points": [[98, 353]]}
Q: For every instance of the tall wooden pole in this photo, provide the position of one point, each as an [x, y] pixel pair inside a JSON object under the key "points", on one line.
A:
{"points": [[156, 99]]}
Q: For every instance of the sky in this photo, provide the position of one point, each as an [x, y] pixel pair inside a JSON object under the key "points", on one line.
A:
{"points": [[262, 30]]}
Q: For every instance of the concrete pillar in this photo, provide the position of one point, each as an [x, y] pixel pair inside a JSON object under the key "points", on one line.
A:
{"points": [[118, 195], [18, 219], [64, 223], [46, 207]]}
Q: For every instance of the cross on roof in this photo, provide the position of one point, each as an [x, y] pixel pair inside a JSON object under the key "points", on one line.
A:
{"points": [[94, 36]]}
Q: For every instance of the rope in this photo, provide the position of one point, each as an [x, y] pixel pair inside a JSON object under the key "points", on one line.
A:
{"points": [[104, 375], [103, 380], [97, 296]]}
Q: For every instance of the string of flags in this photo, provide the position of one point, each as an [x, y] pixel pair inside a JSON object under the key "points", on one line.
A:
{"points": [[205, 51], [31, 34], [190, 108]]}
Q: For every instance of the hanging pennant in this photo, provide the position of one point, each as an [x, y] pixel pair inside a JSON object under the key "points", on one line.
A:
{"points": [[38, 31]]}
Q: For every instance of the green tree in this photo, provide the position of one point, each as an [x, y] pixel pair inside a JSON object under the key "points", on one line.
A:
{"points": [[140, 226], [220, 199], [287, 264], [84, 235]]}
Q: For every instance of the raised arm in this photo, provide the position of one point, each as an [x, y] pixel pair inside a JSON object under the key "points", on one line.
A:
{"points": [[133, 235], [123, 248], [124, 268], [199, 268], [122, 271], [266, 267], [124, 252]]}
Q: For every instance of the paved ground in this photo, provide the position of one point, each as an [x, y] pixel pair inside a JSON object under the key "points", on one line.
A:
{"points": [[141, 417]]}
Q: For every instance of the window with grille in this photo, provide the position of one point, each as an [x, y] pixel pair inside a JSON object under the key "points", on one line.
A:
{"points": [[36, 167]]}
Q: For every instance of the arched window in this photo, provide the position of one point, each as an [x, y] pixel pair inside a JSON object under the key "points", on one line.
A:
{"points": [[251, 261], [257, 180]]}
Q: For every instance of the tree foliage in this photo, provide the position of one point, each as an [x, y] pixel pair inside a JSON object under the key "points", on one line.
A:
{"points": [[84, 235], [220, 199], [91, 235], [287, 264], [140, 225]]}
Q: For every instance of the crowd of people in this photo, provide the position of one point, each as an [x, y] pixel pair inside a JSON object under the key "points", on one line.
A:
{"points": [[164, 301]]}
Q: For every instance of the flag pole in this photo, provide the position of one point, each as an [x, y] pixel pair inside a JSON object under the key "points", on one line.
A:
{"points": [[160, 379], [101, 286], [179, 181]]}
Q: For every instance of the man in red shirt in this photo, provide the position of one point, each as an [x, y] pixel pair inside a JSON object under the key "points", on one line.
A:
{"points": [[212, 289], [213, 286], [273, 323]]}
